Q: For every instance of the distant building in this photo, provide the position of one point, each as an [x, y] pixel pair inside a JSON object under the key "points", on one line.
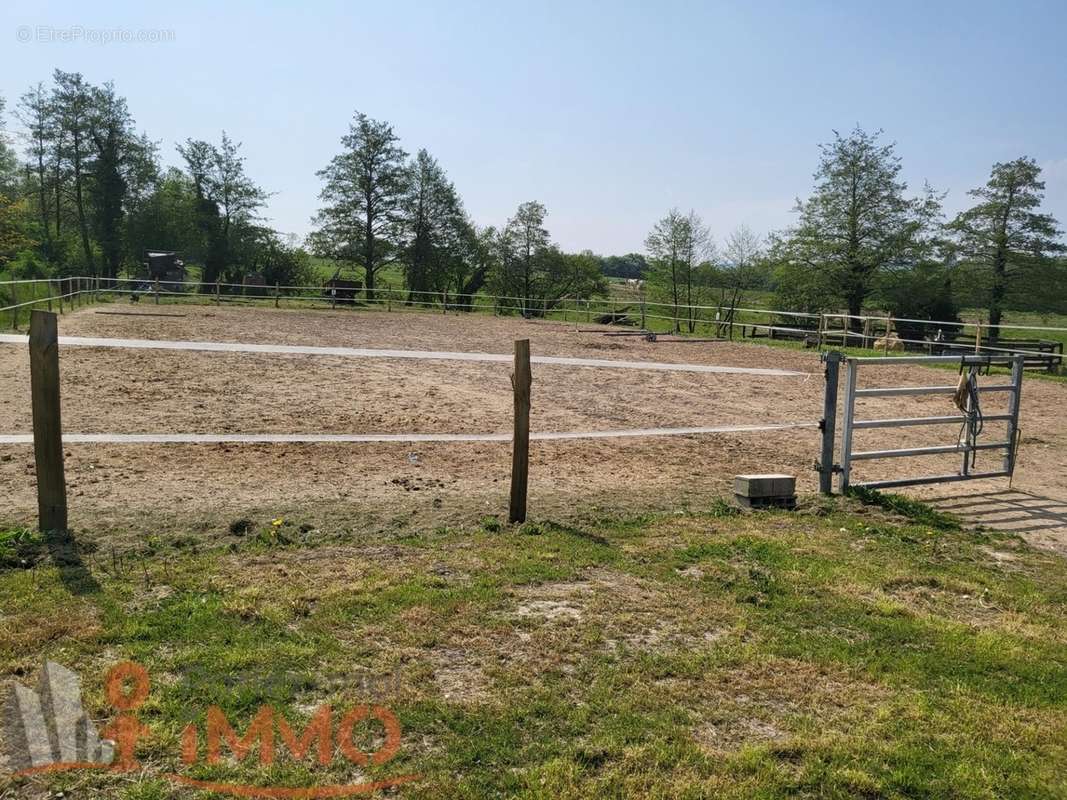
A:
{"points": [[343, 291], [164, 265], [255, 284]]}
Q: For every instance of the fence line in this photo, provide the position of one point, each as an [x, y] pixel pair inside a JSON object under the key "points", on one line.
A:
{"points": [[433, 355], [823, 335], [373, 438]]}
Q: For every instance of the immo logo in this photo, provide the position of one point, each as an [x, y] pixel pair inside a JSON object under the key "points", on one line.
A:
{"points": [[48, 731]]}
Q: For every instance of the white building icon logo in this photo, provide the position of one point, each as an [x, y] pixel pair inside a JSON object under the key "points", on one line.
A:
{"points": [[49, 728]]}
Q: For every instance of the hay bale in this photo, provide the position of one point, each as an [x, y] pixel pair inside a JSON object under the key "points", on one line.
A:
{"points": [[890, 342]]}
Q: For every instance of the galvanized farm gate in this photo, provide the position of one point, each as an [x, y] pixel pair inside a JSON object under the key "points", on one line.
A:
{"points": [[970, 418]]}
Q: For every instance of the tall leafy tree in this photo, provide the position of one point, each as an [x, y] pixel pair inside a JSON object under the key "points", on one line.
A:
{"points": [[856, 222], [36, 113], [364, 188], [72, 99], [529, 268], [434, 231], [525, 247], [8, 160], [1005, 236], [678, 245], [111, 130], [226, 207]]}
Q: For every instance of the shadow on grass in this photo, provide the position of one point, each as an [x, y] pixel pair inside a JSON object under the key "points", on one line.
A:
{"points": [[63, 549]]}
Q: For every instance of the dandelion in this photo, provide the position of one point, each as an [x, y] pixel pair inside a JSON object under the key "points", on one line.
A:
{"points": [[277, 523]]}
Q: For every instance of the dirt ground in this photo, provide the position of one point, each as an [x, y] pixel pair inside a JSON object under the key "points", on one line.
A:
{"points": [[145, 391]]}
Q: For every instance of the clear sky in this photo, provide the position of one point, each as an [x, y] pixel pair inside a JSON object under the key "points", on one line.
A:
{"points": [[610, 113]]}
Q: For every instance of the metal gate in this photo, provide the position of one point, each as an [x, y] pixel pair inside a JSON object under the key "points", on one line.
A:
{"points": [[967, 443]]}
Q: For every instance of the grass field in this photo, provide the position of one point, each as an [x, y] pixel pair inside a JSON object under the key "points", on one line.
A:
{"points": [[848, 650]]}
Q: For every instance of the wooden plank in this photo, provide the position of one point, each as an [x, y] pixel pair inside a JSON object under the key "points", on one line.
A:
{"points": [[47, 428], [521, 381]]}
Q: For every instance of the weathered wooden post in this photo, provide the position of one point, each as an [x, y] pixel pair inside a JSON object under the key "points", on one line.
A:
{"points": [[218, 292], [15, 302], [155, 291], [277, 294], [47, 429], [978, 336], [885, 341], [61, 296], [521, 381], [828, 425]]}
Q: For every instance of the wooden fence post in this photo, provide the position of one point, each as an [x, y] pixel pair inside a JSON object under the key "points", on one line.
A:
{"points": [[277, 294], [218, 292], [978, 336], [15, 302], [521, 381], [60, 295], [47, 429], [885, 341]]}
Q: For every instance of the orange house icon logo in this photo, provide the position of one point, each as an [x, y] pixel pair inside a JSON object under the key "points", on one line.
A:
{"points": [[48, 730]]}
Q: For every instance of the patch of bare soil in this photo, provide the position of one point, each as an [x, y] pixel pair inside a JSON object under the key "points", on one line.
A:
{"points": [[134, 391]]}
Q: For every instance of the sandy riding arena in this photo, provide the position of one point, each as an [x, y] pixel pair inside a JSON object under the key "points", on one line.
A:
{"points": [[166, 391]]}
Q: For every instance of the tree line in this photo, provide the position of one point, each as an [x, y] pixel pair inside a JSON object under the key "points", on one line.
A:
{"points": [[861, 240], [379, 208], [89, 194]]}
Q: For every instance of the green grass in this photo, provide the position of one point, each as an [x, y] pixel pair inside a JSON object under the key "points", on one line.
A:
{"points": [[867, 647]]}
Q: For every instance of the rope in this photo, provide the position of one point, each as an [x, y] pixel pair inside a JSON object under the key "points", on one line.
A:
{"points": [[967, 401], [313, 438], [360, 352]]}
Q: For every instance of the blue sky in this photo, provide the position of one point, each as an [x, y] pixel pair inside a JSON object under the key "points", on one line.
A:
{"points": [[609, 113]]}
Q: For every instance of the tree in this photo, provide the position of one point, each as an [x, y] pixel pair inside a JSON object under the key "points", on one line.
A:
{"points": [[364, 187], [741, 269], [239, 200], [8, 162], [36, 113], [435, 235], [72, 99], [918, 283], [677, 247], [1004, 236], [532, 272], [856, 222], [226, 207], [525, 247], [110, 128], [13, 229]]}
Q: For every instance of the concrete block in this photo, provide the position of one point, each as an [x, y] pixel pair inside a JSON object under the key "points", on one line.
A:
{"points": [[765, 486]]}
